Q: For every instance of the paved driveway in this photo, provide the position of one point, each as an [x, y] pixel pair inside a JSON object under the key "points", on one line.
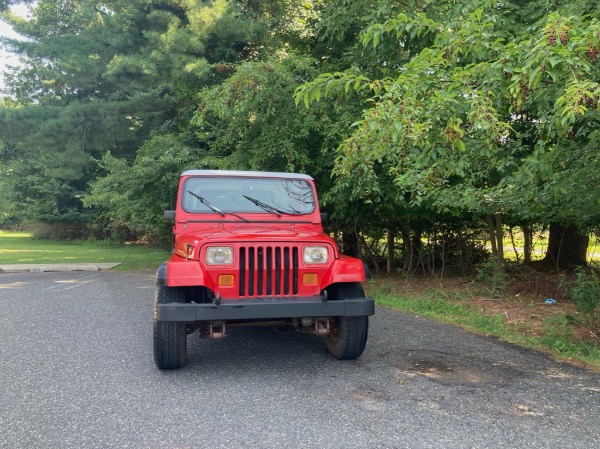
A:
{"points": [[76, 371]]}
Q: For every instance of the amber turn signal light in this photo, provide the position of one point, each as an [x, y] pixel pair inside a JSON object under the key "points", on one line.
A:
{"points": [[226, 280], [309, 279]]}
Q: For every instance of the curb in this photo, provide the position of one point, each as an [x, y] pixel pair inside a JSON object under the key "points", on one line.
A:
{"points": [[43, 268]]}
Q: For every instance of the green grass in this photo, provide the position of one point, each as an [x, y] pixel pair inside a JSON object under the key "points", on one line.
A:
{"points": [[557, 338], [20, 248]]}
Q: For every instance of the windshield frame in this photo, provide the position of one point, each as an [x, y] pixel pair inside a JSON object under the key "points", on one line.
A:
{"points": [[287, 196]]}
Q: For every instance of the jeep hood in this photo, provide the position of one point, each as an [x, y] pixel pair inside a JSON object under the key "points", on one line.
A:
{"points": [[253, 234], [188, 245]]}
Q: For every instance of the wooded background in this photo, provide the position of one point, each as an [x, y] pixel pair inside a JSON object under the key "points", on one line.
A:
{"points": [[430, 127]]}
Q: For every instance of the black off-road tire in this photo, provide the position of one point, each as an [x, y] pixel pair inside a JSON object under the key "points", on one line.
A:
{"points": [[348, 335], [170, 338]]}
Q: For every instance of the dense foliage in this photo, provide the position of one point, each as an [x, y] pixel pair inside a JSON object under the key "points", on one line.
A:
{"points": [[496, 115], [419, 119]]}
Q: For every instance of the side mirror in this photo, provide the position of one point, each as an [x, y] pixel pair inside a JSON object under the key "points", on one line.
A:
{"points": [[323, 217], [170, 215]]}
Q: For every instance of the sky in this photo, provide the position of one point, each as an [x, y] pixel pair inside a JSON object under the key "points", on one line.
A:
{"points": [[6, 58]]}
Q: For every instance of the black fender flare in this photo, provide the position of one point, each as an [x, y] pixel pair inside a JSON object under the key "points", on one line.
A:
{"points": [[161, 275], [367, 271]]}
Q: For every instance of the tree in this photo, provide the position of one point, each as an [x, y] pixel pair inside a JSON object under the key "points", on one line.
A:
{"points": [[106, 76], [69, 103], [445, 126], [5, 4], [244, 119]]}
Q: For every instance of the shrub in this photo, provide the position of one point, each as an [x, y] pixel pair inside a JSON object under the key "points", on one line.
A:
{"points": [[494, 274], [58, 231], [585, 294]]}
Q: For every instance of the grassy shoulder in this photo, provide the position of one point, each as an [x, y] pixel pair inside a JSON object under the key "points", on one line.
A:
{"points": [[20, 248], [527, 322]]}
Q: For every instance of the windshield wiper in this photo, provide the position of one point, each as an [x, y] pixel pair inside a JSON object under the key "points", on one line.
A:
{"points": [[207, 203], [239, 216], [215, 208], [264, 206]]}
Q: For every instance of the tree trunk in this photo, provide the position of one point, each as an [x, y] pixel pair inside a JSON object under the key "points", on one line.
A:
{"points": [[390, 250], [527, 244], [368, 253], [408, 250], [496, 235], [350, 244], [567, 247], [512, 239], [492, 233], [412, 248], [499, 239]]}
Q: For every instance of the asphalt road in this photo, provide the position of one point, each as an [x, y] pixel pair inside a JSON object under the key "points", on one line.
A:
{"points": [[76, 371]]}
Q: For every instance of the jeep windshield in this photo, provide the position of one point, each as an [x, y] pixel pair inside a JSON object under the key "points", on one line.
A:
{"points": [[248, 195]]}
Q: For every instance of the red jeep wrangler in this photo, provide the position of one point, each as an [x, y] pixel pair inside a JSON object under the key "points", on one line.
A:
{"points": [[250, 251]]}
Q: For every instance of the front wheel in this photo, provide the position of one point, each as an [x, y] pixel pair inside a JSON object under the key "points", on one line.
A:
{"points": [[348, 334], [170, 338]]}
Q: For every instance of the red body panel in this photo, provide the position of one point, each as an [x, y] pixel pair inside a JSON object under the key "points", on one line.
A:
{"points": [[345, 269], [267, 253], [184, 273]]}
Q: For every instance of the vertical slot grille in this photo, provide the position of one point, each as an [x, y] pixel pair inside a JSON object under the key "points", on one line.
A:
{"points": [[268, 270], [242, 271], [295, 270], [277, 271], [260, 273]]}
